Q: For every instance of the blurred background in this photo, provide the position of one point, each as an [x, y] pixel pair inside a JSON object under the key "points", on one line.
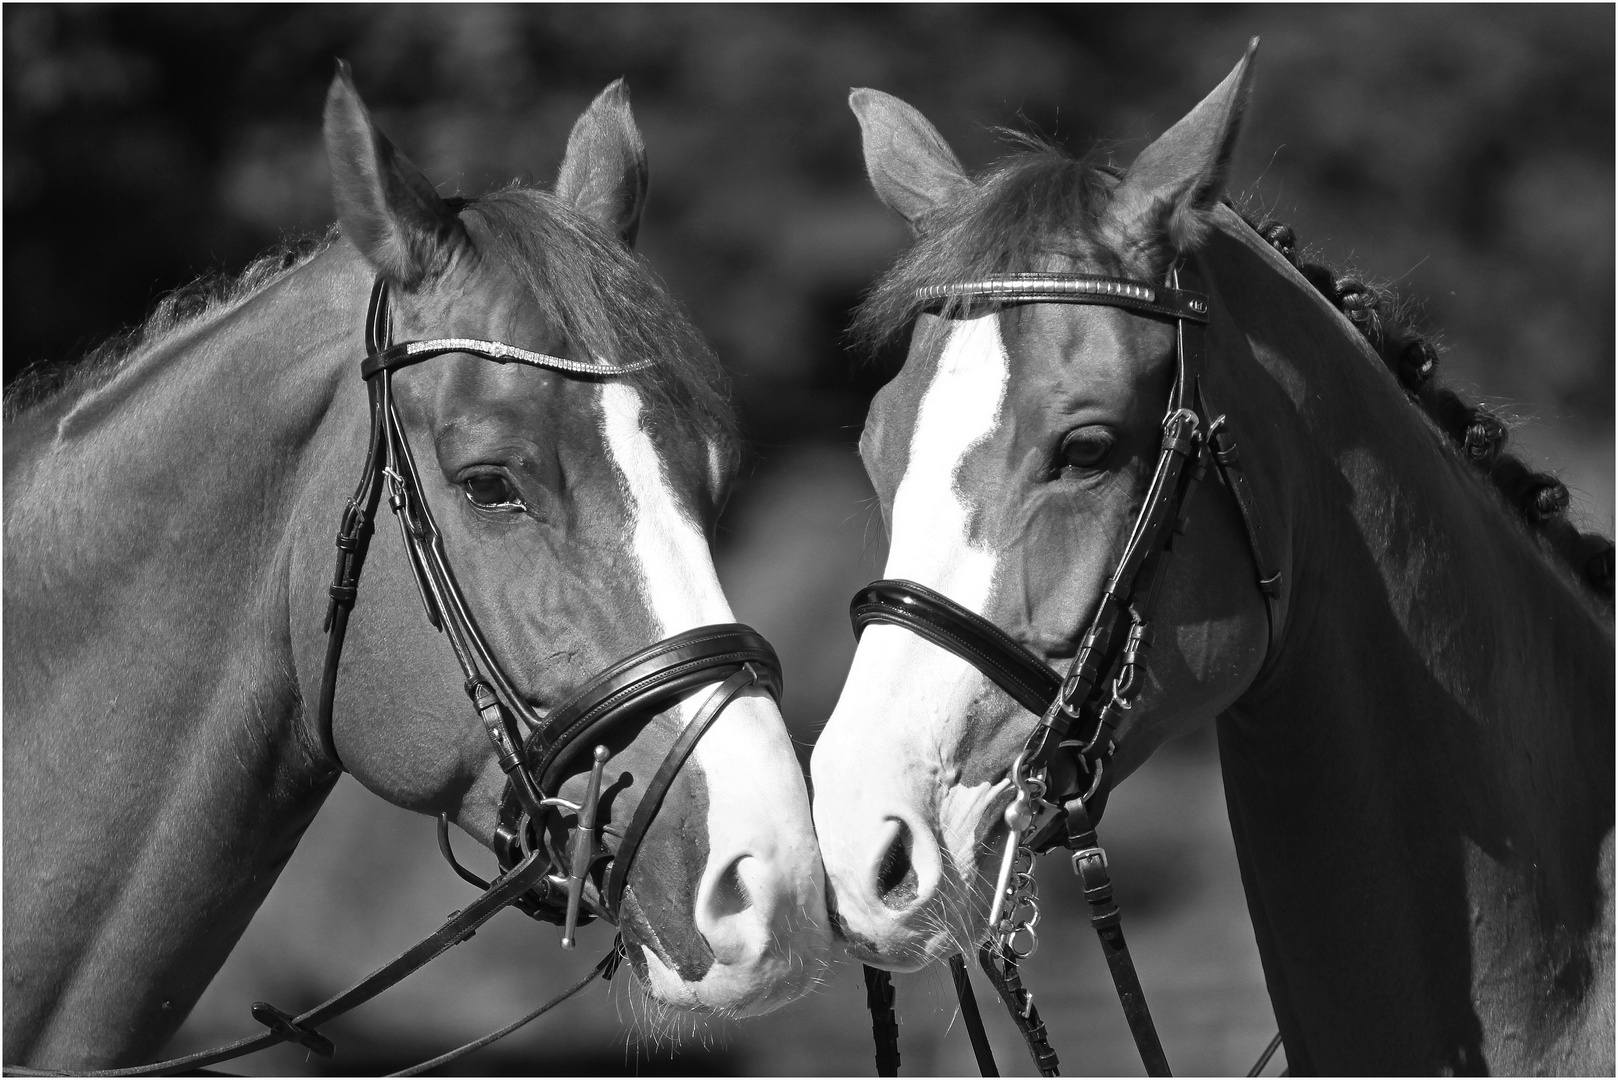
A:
{"points": [[1464, 154]]}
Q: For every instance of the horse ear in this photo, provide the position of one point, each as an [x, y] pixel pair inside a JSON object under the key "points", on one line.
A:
{"points": [[912, 168], [385, 206], [1164, 198], [604, 173]]}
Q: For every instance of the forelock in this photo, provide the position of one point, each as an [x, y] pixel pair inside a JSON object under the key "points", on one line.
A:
{"points": [[1037, 209], [610, 306]]}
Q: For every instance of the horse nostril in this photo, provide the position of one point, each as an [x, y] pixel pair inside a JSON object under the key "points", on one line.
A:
{"points": [[730, 895], [896, 884]]}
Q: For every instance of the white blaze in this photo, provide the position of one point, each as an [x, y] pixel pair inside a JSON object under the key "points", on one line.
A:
{"points": [[675, 562], [902, 691], [929, 543], [754, 822]]}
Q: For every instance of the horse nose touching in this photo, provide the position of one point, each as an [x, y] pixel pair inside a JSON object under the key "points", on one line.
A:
{"points": [[885, 868], [748, 907], [885, 875], [760, 902], [896, 827]]}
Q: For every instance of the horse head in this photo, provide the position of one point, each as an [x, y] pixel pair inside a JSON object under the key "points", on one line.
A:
{"points": [[575, 513], [553, 437], [1012, 455]]}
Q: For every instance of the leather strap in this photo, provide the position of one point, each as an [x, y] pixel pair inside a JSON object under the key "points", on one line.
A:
{"points": [[971, 1017], [1090, 863], [650, 802], [879, 999], [640, 682], [521, 879], [1222, 442], [604, 969], [979, 642], [1001, 968], [1264, 1058]]}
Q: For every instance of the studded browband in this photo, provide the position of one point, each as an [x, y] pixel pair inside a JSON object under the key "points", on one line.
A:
{"points": [[1172, 303]]}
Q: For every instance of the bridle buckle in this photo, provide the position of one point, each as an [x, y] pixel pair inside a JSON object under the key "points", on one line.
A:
{"points": [[1083, 854]]}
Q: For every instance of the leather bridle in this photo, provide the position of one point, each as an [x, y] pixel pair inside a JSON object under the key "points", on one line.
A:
{"points": [[1061, 777], [537, 753]]}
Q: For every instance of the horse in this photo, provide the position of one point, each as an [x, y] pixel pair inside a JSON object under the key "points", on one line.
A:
{"points": [[169, 510], [1413, 689]]}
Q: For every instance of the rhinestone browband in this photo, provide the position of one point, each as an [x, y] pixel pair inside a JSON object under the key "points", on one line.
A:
{"points": [[1073, 289]]}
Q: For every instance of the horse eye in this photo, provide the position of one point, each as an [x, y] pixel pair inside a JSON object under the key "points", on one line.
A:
{"points": [[491, 491], [1086, 448]]}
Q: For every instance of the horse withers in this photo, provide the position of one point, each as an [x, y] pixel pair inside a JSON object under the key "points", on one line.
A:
{"points": [[1414, 692], [169, 516]]}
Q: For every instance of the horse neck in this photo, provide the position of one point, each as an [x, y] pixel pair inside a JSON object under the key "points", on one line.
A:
{"points": [[157, 772], [1421, 782]]}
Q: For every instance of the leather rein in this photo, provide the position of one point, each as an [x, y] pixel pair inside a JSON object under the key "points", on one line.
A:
{"points": [[1061, 777], [537, 753]]}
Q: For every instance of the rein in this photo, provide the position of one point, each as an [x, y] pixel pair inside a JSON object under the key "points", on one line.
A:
{"points": [[1061, 776], [535, 752]]}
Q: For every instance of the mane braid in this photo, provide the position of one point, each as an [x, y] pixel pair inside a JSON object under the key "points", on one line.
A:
{"points": [[1039, 208], [1538, 499], [46, 380]]}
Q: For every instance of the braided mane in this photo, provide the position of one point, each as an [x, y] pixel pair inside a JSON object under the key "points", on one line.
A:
{"points": [[1041, 202], [1539, 499]]}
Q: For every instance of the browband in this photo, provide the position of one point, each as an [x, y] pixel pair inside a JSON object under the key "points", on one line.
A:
{"points": [[413, 352], [1074, 289]]}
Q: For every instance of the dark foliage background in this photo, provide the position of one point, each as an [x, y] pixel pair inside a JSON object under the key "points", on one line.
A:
{"points": [[1464, 153]]}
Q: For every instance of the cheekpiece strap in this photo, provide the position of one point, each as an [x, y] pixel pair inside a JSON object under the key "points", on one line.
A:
{"points": [[1072, 289]]}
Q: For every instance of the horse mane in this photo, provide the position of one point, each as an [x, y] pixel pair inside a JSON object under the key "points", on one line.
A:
{"points": [[46, 380], [1475, 432], [605, 298], [1043, 201]]}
